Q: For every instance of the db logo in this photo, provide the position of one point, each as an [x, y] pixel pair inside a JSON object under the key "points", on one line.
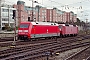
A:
{"points": [[47, 30]]}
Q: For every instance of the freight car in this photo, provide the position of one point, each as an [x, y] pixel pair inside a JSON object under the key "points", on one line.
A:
{"points": [[29, 30]]}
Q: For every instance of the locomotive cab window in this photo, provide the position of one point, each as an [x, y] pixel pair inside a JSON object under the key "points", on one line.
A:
{"points": [[24, 25]]}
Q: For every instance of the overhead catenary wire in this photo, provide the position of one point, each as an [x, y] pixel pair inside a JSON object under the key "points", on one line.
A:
{"points": [[70, 5]]}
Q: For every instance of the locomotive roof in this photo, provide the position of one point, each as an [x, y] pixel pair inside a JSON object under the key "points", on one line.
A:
{"points": [[44, 23], [68, 25]]}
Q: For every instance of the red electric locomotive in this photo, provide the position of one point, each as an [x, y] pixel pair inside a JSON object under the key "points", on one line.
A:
{"points": [[28, 30], [68, 30]]}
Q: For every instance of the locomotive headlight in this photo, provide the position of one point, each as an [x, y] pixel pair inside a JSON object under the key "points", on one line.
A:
{"points": [[20, 30], [25, 30]]}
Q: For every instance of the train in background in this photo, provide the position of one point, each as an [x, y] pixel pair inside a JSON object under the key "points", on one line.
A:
{"points": [[68, 30], [30, 30]]}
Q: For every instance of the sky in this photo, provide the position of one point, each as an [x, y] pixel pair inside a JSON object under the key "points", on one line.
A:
{"points": [[79, 7]]}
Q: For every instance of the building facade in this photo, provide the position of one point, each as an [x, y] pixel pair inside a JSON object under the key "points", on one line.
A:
{"points": [[6, 14], [39, 13]]}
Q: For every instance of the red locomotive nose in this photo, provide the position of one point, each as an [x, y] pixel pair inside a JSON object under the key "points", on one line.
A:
{"points": [[23, 31]]}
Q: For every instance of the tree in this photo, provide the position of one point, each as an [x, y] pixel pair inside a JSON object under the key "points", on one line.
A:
{"points": [[7, 26]]}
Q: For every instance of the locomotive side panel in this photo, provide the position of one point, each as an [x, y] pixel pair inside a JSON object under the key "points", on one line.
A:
{"points": [[44, 31], [68, 30], [75, 30]]}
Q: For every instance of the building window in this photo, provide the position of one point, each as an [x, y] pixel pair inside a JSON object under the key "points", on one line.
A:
{"points": [[11, 10], [43, 11], [4, 19], [3, 24], [42, 14], [33, 12], [5, 10], [4, 14], [28, 12], [11, 14]]}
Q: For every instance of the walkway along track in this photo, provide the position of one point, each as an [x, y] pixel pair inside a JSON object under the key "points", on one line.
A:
{"points": [[4, 39], [36, 50]]}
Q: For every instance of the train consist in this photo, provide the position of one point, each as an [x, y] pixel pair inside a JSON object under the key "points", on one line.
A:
{"points": [[29, 30]]}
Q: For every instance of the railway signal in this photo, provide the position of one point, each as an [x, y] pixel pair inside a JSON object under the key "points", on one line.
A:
{"points": [[14, 17], [14, 14]]}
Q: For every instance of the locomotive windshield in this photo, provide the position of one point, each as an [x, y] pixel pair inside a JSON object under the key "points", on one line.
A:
{"points": [[24, 25]]}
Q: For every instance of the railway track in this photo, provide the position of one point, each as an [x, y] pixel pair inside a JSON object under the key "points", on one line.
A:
{"points": [[34, 49], [33, 52], [30, 51], [9, 43], [84, 54]]}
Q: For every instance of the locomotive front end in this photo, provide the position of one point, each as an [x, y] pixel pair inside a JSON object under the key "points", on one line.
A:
{"points": [[23, 31]]}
